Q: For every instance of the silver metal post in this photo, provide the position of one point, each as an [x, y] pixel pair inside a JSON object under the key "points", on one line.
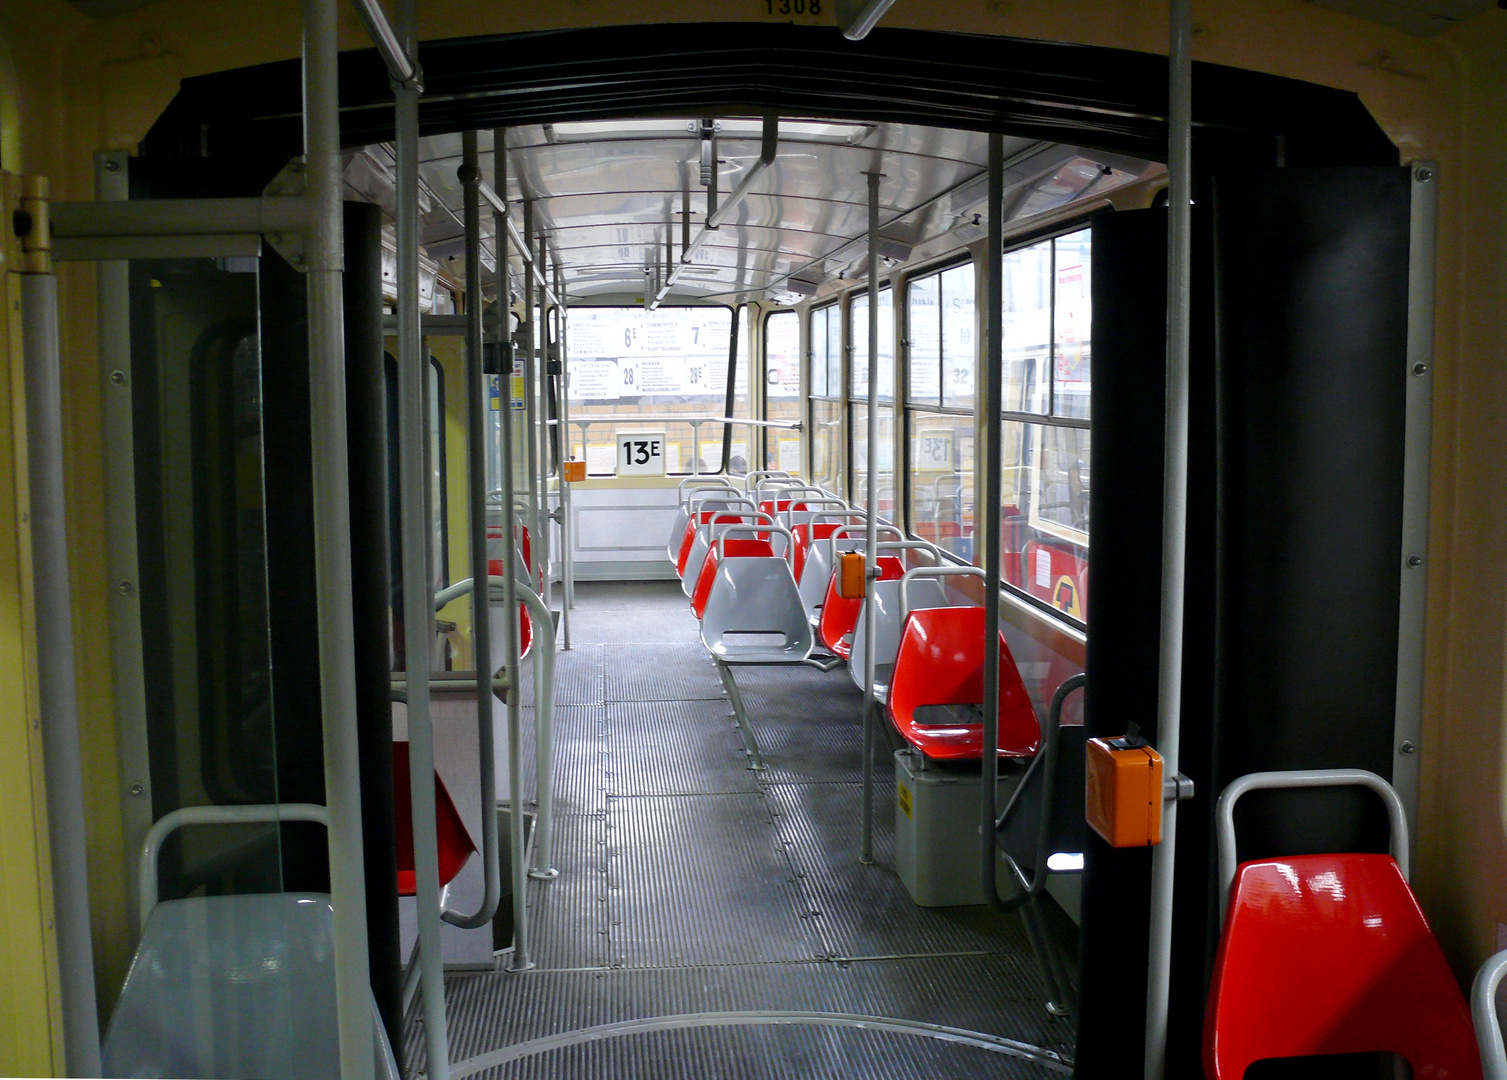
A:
{"points": [[476, 491], [57, 690], [992, 407], [546, 515], [1174, 523], [518, 863], [544, 716], [325, 260], [418, 583], [568, 536], [530, 395], [871, 537], [695, 447]]}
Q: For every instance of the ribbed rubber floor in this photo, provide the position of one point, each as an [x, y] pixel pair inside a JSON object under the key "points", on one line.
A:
{"points": [[691, 885]]}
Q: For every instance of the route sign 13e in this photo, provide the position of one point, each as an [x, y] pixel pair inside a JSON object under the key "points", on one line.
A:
{"points": [[640, 453]]}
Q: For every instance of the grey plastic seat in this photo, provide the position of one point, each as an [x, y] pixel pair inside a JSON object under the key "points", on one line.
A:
{"points": [[885, 597], [232, 987], [754, 615], [706, 536]]}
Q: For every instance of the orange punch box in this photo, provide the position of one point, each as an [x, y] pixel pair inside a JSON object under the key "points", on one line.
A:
{"points": [[850, 580], [574, 471], [1124, 792]]}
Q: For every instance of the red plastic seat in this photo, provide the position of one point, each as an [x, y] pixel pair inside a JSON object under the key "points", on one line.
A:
{"points": [[840, 616], [732, 547], [1330, 954], [525, 624], [940, 662], [805, 535], [455, 843], [688, 539]]}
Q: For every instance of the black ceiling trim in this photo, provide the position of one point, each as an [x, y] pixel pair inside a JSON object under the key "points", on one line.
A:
{"points": [[1110, 99]]}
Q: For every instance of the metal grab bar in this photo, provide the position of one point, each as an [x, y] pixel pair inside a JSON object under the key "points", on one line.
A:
{"points": [[757, 530], [911, 545], [932, 571], [1483, 1010], [1046, 762], [1224, 812], [544, 712], [707, 483], [751, 479], [679, 418], [842, 532], [260, 814]]}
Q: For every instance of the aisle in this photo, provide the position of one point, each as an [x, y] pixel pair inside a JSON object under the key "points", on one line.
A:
{"points": [[691, 885]]}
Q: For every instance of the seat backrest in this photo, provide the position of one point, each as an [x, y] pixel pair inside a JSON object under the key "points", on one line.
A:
{"points": [[807, 535], [940, 662], [840, 615], [924, 593], [816, 571], [455, 843], [755, 597], [747, 547], [525, 624], [1330, 954]]}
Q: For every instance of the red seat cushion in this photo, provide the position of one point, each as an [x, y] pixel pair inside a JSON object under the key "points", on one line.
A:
{"points": [[941, 662], [733, 546], [805, 535], [525, 624], [1330, 954], [840, 616], [455, 844]]}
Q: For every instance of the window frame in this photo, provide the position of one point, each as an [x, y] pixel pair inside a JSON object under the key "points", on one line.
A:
{"points": [[770, 460]]}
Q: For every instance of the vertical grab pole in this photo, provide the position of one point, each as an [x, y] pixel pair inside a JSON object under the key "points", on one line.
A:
{"points": [[418, 584], [530, 396], [871, 536], [562, 438], [993, 494], [517, 856], [332, 536], [546, 515], [476, 496], [569, 525], [1174, 522], [57, 688]]}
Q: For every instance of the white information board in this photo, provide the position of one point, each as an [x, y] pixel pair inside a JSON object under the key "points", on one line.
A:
{"points": [[640, 453]]}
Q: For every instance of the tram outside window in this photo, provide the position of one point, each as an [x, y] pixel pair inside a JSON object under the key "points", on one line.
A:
{"points": [[782, 389], [942, 345], [826, 397], [1045, 452], [858, 323], [740, 442], [633, 370]]}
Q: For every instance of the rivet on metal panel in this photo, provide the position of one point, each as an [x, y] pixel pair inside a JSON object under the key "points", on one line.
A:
{"points": [[137, 789], [125, 586], [1406, 748], [112, 165], [1415, 561], [1423, 175], [117, 377], [1420, 368]]}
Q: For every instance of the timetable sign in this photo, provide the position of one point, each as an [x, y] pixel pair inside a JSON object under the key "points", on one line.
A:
{"points": [[640, 453]]}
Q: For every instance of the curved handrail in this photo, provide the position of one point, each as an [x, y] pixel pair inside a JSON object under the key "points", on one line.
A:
{"points": [[759, 530], [911, 545], [707, 482], [1224, 812], [751, 479], [843, 532], [1483, 1010], [931, 571], [1046, 762], [163, 827]]}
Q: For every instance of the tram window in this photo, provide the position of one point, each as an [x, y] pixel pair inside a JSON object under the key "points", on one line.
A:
{"points": [[826, 397], [1026, 326], [629, 368], [924, 333], [1072, 317], [821, 345], [942, 340], [782, 389], [1044, 527], [940, 505], [826, 444], [858, 329]]}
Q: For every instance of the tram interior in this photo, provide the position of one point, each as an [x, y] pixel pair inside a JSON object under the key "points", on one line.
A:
{"points": [[782, 549]]}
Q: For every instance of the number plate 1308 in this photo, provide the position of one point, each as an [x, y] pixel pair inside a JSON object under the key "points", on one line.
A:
{"points": [[797, 8]]}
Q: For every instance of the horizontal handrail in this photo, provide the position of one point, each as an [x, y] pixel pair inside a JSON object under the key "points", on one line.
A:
{"points": [[677, 418], [758, 530], [1224, 812]]}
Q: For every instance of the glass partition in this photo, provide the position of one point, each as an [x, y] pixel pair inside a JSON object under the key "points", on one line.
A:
{"points": [[782, 390]]}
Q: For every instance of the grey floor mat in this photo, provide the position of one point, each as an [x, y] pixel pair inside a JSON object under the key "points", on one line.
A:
{"points": [[692, 884]]}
